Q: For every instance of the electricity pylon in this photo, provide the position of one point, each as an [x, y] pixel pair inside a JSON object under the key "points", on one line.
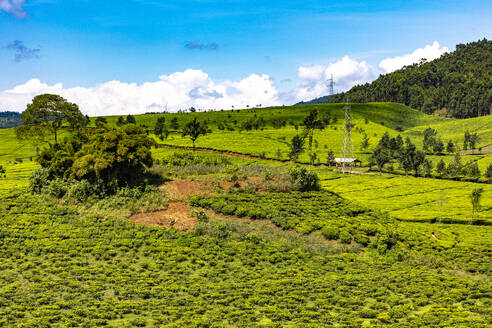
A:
{"points": [[347, 145]]}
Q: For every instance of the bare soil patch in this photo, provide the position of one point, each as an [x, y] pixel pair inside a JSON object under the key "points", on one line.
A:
{"points": [[177, 215]]}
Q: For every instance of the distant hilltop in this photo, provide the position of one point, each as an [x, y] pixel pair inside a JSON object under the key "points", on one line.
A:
{"points": [[456, 85], [10, 119]]}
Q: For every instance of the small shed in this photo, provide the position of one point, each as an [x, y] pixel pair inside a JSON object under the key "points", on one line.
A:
{"points": [[347, 161]]}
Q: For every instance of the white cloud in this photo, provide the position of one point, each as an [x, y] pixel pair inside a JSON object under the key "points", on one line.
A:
{"points": [[429, 52], [13, 7], [347, 72], [179, 90], [195, 88]]}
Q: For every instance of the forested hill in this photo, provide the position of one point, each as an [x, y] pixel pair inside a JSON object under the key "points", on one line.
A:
{"points": [[458, 84], [10, 119]]}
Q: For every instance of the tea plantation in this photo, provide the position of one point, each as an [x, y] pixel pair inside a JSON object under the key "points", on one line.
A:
{"points": [[365, 250]]}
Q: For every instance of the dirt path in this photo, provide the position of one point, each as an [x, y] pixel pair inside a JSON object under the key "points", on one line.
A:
{"points": [[481, 151]]}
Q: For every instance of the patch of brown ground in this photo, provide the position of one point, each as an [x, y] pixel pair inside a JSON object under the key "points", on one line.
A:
{"points": [[181, 189], [176, 215]]}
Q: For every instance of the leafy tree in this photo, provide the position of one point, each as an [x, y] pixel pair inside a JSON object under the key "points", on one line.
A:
{"points": [[130, 119], [121, 121], [330, 158], [488, 172], [473, 140], [365, 142], [117, 157], [100, 121], [381, 156], [304, 180], [174, 123], [194, 129], [411, 158], [455, 168], [466, 140], [107, 157], [159, 126], [427, 167], [450, 147], [441, 168], [475, 198], [472, 170], [429, 139], [311, 122], [438, 146], [45, 116], [296, 147]]}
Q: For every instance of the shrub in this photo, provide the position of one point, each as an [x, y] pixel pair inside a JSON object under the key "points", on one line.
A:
{"points": [[304, 180], [361, 239], [330, 233], [229, 209], [80, 191], [38, 180], [56, 188], [201, 216], [345, 237]]}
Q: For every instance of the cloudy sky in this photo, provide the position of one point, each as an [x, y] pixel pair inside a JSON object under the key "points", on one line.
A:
{"points": [[135, 56]]}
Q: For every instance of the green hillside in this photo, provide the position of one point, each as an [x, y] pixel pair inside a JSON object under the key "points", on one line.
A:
{"points": [[457, 84], [225, 240]]}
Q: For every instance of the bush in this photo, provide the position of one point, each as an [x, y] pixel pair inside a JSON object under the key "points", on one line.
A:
{"points": [[361, 239], [201, 216], [304, 180], [330, 233], [345, 237], [38, 180], [229, 209], [80, 191], [56, 188]]}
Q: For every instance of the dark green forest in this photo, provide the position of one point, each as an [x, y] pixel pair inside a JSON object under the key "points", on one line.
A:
{"points": [[458, 84]]}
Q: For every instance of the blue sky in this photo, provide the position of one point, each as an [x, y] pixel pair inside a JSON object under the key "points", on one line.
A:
{"points": [[81, 43]]}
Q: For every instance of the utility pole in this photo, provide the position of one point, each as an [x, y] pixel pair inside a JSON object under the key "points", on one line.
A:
{"points": [[347, 145]]}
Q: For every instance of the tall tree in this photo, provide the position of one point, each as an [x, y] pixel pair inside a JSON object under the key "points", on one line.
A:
{"points": [[311, 123], [194, 129], [296, 147], [475, 198], [411, 158], [46, 115], [365, 142], [450, 147], [159, 126], [488, 172]]}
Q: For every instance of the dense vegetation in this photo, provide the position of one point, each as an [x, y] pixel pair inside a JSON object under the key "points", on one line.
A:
{"points": [[458, 84]]}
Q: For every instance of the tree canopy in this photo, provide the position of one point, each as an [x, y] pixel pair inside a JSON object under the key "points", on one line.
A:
{"points": [[194, 129], [45, 116], [112, 156]]}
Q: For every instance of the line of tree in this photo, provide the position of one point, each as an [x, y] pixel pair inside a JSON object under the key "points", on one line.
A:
{"points": [[410, 159], [458, 84]]}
